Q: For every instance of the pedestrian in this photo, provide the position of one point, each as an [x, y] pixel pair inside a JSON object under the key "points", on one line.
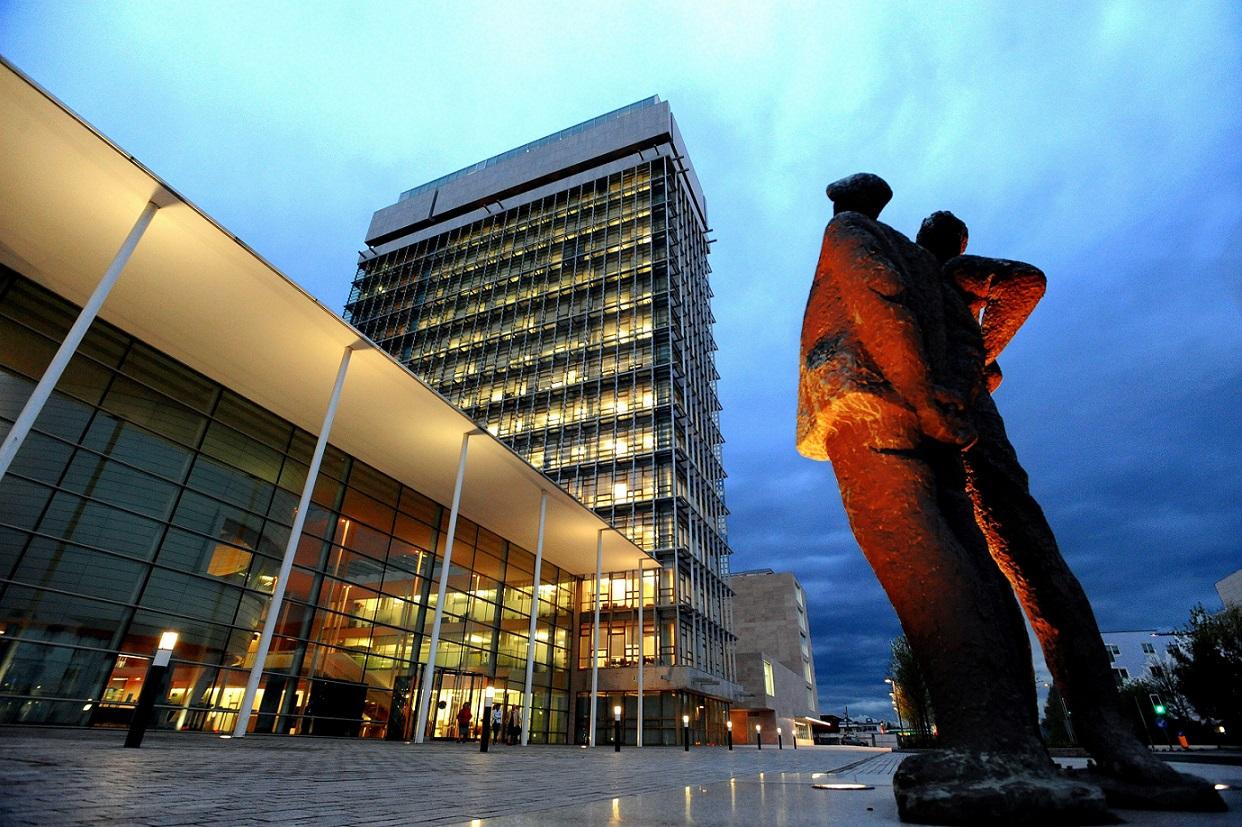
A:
{"points": [[463, 722], [515, 726], [498, 716]]}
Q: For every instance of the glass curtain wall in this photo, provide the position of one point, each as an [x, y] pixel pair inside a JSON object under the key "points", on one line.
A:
{"points": [[149, 498], [577, 327]]}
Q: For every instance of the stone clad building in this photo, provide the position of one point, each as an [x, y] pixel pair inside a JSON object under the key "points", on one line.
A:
{"points": [[775, 661]]}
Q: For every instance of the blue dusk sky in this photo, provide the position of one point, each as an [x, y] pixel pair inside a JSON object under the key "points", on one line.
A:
{"points": [[1099, 141]]}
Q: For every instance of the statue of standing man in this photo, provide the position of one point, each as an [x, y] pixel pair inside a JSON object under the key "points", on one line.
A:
{"points": [[899, 346]]}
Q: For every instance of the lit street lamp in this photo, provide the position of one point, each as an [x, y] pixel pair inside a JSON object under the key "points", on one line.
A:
{"points": [[729, 733]]}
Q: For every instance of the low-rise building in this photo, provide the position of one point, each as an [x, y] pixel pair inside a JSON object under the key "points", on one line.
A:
{"points": [[216, 455], [1139, 654], [775, 666], [1230, 589]]}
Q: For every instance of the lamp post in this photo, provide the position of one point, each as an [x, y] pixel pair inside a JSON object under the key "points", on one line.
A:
{"points": [[489, 695], [780, 742], [616, 728], [758, 740], [152, 686], [729, 734], [896, 706]]}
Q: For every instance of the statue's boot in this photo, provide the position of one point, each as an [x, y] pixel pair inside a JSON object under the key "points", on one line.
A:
{"points": [[963, 787], [1023, 545], [908, 508]]}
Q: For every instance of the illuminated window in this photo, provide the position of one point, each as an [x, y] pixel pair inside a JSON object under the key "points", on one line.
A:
{"points": [[769, 683]]}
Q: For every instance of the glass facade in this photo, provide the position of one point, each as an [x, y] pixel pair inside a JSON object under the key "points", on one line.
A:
{"points": [[149, 498], [576, 326]]}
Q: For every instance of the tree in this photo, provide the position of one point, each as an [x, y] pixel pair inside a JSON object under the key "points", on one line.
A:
{"points": [[1208, 665], [910, 689], [1056, 724]]}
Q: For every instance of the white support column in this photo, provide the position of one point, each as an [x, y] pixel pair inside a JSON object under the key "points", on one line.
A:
{"points": [[599, 565], [429, 669], [291, 548], [534, 616], [642, 582], [43, 390], [642, 641]]}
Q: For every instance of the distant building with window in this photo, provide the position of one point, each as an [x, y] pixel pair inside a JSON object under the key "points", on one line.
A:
{"points": [[1138, 655], [1230, 589], [775, 665]]}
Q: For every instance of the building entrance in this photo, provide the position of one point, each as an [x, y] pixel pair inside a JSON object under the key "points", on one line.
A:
{"points": [[449, 692]]}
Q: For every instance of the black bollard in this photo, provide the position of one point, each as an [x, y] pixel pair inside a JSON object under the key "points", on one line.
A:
{"points": [[758, 740], [729, 734], [152, 688], [488, 694], [616, 729], [780, 740]]}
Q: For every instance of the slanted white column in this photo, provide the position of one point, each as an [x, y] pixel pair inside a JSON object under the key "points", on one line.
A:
{"points": [[599, 565], [34, 405], [429, 670], [291, 547], [534, 615], [642, 573]]}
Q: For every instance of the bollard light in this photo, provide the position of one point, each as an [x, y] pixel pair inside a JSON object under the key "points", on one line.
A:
{"points": [[685, 728], [168, 641], [152, 686], [780, 742], [729, 734], [758, 740], [616, 728], [616, 712], [489, 695]]}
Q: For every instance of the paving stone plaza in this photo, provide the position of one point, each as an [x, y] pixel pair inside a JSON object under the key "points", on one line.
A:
{"points": [[50, 777]]}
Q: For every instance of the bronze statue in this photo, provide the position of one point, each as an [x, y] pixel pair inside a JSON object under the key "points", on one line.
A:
{"points": [[899, 347]]}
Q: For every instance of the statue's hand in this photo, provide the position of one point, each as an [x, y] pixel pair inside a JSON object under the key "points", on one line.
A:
{"points": [[944, 419], [993, 376]]}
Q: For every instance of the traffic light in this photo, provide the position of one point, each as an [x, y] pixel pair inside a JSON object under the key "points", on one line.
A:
{"points": [[1156, 704]]}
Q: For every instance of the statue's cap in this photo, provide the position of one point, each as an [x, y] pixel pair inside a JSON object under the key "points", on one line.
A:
{"points": [[861, 192]]}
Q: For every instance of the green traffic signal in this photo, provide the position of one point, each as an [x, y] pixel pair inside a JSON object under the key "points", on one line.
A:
{"points": [[1159, 709]]}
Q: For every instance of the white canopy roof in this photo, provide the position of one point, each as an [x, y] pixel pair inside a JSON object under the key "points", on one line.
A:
{"points": [[68, 197]]}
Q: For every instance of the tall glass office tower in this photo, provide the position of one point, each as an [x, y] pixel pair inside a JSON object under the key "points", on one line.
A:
{"points": [[559, 294]]}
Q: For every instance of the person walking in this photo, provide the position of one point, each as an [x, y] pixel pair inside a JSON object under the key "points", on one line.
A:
{"points": [[498, 717], [515, 726], [463, 722]]}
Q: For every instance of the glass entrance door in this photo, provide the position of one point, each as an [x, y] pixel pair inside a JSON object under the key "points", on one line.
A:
{"points": [[451, 691]]}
